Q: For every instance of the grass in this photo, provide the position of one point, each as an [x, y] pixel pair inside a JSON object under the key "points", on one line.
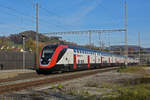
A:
{"points": [[132, 69], [59, 86], [131, 89], [138, 92], [107, 85]]}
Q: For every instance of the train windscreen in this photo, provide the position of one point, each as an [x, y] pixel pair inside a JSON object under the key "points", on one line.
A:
{"points": [[47, 54]]}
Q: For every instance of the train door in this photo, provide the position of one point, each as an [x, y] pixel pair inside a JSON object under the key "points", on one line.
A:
{"points": [[109, 62], [88, 61], [74, 61], [102, 60]]}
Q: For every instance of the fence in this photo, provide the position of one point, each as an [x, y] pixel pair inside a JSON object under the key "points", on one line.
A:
{"points": [[14, 60]]}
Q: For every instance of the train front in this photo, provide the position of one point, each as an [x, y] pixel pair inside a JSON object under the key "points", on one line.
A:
{"points": [[48, 58]]}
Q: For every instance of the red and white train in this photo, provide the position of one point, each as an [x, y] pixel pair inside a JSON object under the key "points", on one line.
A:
{"points": [[71, 58]]}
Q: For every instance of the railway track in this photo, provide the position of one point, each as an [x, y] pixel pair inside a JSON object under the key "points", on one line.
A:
{"points": [[28, 83]]}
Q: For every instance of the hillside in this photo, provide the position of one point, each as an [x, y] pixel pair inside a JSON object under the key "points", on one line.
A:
{"points": [[15, 41]]}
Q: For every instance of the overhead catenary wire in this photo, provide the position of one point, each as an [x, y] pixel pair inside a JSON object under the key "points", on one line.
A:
{"points": [[29, 17], [59, 17]]}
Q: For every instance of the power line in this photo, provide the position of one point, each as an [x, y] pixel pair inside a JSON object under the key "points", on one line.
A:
{"points": [[59, 16], [27, 16], [50, 12], [90, 32], [86, 31]]}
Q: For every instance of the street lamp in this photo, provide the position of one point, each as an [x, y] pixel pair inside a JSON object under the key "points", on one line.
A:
{"points": [[23, 37]]}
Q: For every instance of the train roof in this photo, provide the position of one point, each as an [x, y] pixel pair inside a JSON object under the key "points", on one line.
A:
{"points": [[91, 50]]}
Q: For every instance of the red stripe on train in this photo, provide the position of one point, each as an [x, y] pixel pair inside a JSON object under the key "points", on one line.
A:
{"points": [[55, 56]]}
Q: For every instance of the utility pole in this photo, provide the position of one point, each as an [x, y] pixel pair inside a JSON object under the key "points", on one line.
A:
{"points": [[90, 44], [139, 42], [100, 47], [126, 40], [109, 41], [37, 38]]}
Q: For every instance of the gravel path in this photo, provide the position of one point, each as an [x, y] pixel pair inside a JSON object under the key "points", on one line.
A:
{"points": [[75, 89], [5, 74]]}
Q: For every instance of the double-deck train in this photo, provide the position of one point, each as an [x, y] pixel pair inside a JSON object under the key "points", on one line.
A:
{"points": [[71, 58]]}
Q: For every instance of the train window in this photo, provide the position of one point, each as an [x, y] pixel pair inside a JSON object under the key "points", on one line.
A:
{"points": [[47, 54], [74, 50], [82, 61], [84, 52], [61, 54], [78, 61]]}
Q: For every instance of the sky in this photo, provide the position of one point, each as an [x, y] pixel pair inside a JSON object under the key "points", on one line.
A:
{"points": [[73, 15]]}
